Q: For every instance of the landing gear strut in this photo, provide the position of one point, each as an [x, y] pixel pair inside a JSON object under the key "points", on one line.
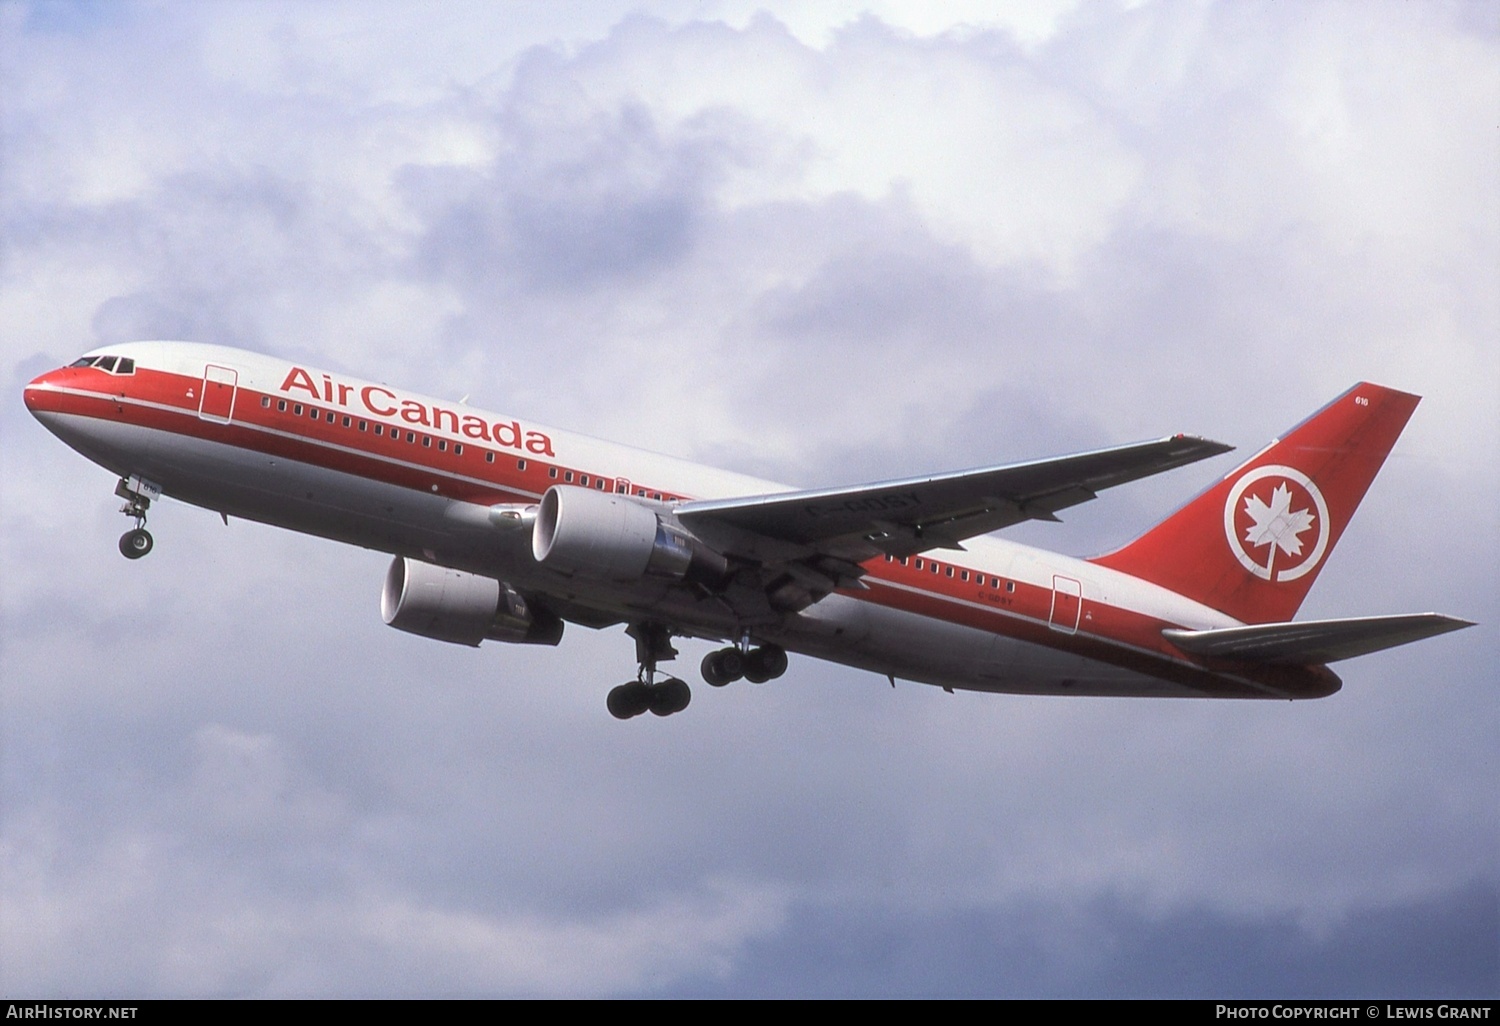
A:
{"points": [[653, 644], [137, 494]]}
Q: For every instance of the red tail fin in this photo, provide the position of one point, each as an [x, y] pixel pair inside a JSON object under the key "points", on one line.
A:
{"points": [[1252, 545]]}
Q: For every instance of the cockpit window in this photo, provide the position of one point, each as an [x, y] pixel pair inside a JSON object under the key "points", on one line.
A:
{"points": [[111, 364]]}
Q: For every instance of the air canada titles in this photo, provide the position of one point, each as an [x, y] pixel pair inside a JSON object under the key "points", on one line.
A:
{"points": [[379, 401]]}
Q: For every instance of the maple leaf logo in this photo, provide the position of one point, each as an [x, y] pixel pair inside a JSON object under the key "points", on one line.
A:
{"points": [[1274, 526], [1277, 524]]}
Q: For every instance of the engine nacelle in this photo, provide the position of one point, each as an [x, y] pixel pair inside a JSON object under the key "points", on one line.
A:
{"points": [[611, 537], [451, 605]]}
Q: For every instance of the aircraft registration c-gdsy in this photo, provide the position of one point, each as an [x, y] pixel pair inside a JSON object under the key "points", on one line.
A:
{"points": [[505, 529]]}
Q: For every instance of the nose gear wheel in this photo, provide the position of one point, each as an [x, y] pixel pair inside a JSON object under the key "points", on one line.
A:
{"points": [[137, 541]]}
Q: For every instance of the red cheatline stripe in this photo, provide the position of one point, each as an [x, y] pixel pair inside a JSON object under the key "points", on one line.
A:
{"points": [[1115, 636]]}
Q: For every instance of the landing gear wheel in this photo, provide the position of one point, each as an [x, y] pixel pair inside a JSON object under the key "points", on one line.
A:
{"points": [[670, 696], [135, 543], [653, 644], [723, 667], [765, 663], [629, 699]]}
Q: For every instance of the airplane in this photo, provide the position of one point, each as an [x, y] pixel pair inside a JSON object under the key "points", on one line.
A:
{"points": [[505, 529]]}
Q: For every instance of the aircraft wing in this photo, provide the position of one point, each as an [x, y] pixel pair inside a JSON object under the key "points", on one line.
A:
{"points": [[1310, 642], [911, 515]]}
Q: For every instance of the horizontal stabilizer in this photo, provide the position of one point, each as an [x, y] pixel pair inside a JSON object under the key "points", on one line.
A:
{"points": [[1312, 642]]}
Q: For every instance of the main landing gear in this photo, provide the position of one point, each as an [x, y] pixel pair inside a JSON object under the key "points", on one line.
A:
{"points": [[668, 695], [662, 698], [653, 644], [136, 542], [757, 665]]}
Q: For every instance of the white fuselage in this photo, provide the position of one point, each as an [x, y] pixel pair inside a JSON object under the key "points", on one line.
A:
{"points": [[263, 439]]}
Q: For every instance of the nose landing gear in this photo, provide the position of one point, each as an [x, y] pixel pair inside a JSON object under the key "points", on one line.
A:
{"points": [[137, 494]]}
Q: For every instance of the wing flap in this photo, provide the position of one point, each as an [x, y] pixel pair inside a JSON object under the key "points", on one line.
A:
{"points": [[1314, 642]]}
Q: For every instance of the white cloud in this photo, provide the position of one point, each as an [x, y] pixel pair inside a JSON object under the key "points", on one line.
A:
{"points": [[815, 246]]}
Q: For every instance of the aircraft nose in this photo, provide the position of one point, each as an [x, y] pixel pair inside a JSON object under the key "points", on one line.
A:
{"points": [[58, 404], [32, 395], [40, 393], [49, 399]]}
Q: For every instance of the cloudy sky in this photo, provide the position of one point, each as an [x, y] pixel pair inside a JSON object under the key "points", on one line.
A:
{"points": [[822, 243]]}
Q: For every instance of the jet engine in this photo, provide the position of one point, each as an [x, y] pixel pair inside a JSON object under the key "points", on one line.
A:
{"points": [[451, 605], [614, 538]]}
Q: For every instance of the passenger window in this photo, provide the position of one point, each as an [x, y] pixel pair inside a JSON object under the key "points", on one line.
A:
{"points": [[364, 425], [411, 437], [1010, 585], [568, 477], [949, 571], [552, 472], [380, 429], [281, 405], [427, 441], [520, 464], [265, 402], [458, 448], [332, 416], [347, 422], [297, 409]]}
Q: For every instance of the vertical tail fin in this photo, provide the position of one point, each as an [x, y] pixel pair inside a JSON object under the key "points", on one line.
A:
{"points": [[1252, 545]]}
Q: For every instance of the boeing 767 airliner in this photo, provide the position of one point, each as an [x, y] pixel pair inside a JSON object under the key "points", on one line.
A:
{"points": [[506, 529]]}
